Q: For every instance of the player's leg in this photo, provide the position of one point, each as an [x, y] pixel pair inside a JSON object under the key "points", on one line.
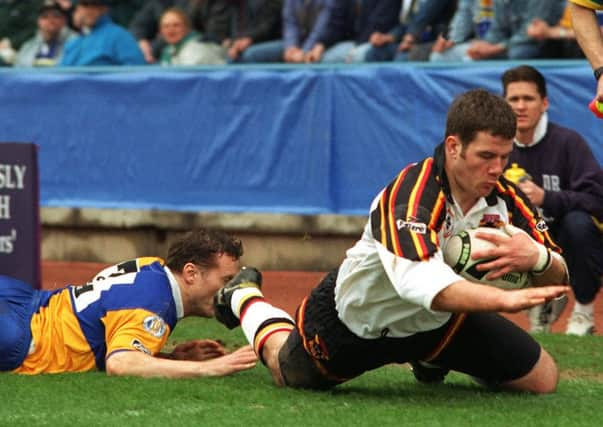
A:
{"points": [[15, 333], [241, 302], [273, 334], [499, 354]]}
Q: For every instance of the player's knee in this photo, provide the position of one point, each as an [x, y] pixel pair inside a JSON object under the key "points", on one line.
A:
{"points": [[541, 379], [544, 377], [13, 343], [578, 225]]}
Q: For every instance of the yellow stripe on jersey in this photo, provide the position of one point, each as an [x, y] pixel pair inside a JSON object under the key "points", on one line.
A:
{"points": [[435, 217], [382, 204], [135, 329], [410, 212], [413, 207], [591, 4], [60, 345]]}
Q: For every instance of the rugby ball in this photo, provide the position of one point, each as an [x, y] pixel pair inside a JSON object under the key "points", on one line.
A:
{"points": [[457, 254]]}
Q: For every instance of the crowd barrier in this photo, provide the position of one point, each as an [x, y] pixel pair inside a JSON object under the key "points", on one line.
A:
{"points": [[301, 140]]}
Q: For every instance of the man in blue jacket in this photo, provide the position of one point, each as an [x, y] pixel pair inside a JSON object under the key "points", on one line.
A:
{"points": [[102, 41]]}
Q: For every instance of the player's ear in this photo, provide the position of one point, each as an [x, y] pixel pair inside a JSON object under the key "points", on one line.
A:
{"points": [[453, 146], [545, 104], [189, 271]]}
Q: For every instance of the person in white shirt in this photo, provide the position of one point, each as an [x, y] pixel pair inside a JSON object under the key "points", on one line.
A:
{"points": [[394, 299]]}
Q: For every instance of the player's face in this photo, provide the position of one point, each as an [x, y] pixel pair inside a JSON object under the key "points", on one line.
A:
{"points": [[527, 104], [211, 280], [473, 170]]}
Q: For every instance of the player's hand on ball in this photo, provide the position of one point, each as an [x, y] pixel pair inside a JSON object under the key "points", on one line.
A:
{"points": [[198, 350], [510, 253]]}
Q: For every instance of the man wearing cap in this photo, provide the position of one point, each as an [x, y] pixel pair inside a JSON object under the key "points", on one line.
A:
{"points": [[102, 42], [47, 46]]}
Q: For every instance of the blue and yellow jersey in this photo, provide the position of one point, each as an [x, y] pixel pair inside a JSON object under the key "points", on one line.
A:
{"points": [[591, 4], [128, 266], [76, 328]]}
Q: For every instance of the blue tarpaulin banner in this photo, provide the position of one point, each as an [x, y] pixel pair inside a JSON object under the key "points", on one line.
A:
{"points": [[290, 139], [19, 213]]}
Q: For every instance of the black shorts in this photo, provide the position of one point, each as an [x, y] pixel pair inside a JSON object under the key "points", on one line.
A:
{"points": [[322, 352]]}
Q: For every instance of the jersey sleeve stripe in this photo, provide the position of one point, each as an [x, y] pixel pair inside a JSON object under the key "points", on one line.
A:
{"points": [[436, 216], [413, 208], [528, 216], [391, 213]]}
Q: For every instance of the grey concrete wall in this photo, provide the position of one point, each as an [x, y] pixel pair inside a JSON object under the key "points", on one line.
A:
{"points": [[271, 241]]}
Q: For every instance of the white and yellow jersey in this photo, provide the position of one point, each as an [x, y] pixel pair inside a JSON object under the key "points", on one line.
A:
{"points": [[77, 327]]}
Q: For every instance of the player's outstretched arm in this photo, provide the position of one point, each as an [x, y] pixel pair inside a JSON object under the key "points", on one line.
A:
{"points": [[136, 363], [465, 296]]}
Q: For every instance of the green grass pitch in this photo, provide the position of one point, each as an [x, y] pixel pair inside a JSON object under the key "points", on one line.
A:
{"points": [[385, 397]]}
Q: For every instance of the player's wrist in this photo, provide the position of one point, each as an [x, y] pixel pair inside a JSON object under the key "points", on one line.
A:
{"points": [[544, 260]]}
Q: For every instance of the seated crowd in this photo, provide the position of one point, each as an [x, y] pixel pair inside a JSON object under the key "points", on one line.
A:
{"points": [[215, 32]]}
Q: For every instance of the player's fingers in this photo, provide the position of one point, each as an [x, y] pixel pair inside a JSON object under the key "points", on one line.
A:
{"points": [[497, 239]]}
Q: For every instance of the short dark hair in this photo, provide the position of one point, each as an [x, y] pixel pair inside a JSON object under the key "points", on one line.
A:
{"points": [[524, 73], [202, 247], [479, 110]]}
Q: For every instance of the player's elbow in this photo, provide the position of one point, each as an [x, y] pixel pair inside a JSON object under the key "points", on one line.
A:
{"points": [[116, 364]]}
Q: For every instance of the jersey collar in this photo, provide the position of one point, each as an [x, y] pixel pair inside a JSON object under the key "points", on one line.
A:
{"points": [[175, 293]]}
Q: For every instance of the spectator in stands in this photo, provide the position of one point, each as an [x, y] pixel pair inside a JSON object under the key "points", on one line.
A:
{"points": [[121, 11], [102, 41], [420, 23], [309, 27], [211, 19], [183, 44], [17, 24], [368, 17], [46, 47], [566, 182], [145, 26], [507, 37], [257, 21], [470, 22], [559, 39], [589, 36]]}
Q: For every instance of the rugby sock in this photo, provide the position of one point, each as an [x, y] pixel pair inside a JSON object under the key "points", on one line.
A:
{"points": [[586, 309], [259, 320], [242, 297]]}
